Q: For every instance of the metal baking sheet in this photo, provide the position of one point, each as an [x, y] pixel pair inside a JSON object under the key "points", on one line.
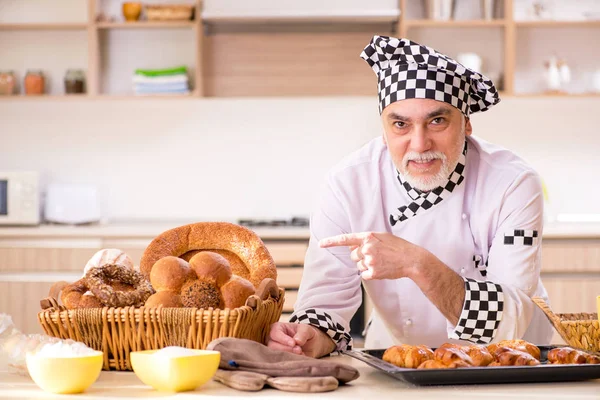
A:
{"points": [[482, 375]]}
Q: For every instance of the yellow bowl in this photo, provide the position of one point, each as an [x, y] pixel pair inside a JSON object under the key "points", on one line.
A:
{"points": [[177, 374], [64, 374]]}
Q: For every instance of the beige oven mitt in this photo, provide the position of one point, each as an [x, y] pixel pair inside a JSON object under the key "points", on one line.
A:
{"points": [[253, 381], [251, 365]]}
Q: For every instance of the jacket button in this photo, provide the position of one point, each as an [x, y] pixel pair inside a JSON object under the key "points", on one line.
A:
{"points": [[462, 270], [408, 322], [464, 216]]}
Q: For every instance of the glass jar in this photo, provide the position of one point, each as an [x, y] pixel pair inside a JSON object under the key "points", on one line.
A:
{"points": [[74, 81], [8, 83], [35, 82]]}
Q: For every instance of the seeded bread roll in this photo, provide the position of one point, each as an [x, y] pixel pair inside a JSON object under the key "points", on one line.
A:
{"points": [[201, 294], [241, 241]]}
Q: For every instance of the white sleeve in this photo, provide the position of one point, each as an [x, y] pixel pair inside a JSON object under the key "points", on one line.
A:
{"points": [[499, 307], [329, 293]]}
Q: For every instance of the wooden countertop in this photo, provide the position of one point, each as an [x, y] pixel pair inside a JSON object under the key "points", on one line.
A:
{"points": [[371, 384]]}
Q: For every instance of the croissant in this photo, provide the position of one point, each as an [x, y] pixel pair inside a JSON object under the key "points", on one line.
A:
{"points": [[569, 355], [406, 356], [450, 354], [433, 364], [480, 356], [516, 344], [506, 356]]}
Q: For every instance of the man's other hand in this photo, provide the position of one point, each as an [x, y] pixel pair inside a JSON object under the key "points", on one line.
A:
{"points": [[299, 339]]}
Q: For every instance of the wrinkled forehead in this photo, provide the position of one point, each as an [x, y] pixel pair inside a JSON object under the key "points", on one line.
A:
{"points": [[419, 109]]}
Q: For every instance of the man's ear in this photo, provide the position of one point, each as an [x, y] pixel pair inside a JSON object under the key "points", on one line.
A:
{"points": [[468, 127]]}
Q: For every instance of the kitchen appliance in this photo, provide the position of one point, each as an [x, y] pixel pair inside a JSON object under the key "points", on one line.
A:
{"points": [[274, 223], [19, 198], [72, 204]]}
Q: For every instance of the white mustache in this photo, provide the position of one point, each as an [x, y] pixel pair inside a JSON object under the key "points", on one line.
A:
{"points": [[423, 157]]}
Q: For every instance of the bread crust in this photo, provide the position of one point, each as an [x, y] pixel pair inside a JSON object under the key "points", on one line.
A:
{"points": [[217, 237]]}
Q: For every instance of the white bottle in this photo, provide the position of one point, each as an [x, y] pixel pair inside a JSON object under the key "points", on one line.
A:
{"points": [[596, 81], [552, 75]]}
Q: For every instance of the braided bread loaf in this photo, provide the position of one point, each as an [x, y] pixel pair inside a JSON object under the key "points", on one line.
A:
{"points": [[239, 245]]}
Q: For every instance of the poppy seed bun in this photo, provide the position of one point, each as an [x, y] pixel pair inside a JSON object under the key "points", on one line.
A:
{"points": [[170, 273], [211, 267], [201, 294]]}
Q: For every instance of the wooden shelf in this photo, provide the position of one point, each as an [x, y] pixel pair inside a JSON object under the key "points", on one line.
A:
{"points": [[554, 95], [44, 26], [146, 25], [428, 23], [557, 24], [383, 17], [80, 97]]}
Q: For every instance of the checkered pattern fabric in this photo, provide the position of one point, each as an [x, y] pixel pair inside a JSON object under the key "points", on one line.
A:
{"points": [[323, 321], [522, 237], [480, 265], [408, 70], [426, 200], [482, 312]]}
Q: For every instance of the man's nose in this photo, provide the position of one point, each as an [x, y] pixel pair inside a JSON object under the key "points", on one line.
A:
{"points": [[420, 140]]}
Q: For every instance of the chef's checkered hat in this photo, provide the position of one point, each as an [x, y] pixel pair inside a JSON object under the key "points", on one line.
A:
{"points": [[408, 70]]}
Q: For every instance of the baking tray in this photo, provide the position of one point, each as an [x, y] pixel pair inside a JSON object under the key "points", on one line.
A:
{"points": [[481, 375]]}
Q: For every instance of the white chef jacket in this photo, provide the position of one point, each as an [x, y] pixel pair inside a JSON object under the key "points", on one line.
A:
{"points": [[488, 229]]}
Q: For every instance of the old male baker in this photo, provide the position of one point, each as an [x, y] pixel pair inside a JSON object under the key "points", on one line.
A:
{"points": [[443, 229]]}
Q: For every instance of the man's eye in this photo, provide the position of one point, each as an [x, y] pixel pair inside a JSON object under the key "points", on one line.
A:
{"points": [[437, 121], [399, 124]]}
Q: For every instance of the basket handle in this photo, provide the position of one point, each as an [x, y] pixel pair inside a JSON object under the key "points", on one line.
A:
{"points": [[49, 302], [553, 318]]}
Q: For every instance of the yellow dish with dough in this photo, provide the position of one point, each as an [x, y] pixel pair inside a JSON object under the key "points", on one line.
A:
{"points": [[175, 374], [64, 375]]}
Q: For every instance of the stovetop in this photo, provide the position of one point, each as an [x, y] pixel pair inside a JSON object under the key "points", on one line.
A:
{"points": [[273, 223]]}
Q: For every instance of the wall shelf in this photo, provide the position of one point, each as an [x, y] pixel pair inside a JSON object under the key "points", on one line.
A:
{"points": [[282, 54], [44, 26], [557, 24], [348, 17], [427, 23], [146, 25]]}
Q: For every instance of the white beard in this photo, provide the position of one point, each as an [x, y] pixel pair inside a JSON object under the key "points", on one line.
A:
{"points": [[428, 183]]}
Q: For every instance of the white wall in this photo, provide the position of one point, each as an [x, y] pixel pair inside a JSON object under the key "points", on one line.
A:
{"points": [[230, 158]]}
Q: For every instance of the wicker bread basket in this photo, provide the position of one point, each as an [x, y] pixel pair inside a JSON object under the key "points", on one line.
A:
{"points": [[173, 12], [580, 330], [118, 331]]}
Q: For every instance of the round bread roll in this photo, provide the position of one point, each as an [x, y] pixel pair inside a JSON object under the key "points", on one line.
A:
{"points": [[236, 291], [165, 299], [108, 256], [210, 267], [89, 301], [201, 294], [213, 236], [237, 266], [170, 273]]}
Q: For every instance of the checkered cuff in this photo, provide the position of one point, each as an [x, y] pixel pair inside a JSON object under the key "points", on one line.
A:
{"points": [[482, 312], [323, 321]]}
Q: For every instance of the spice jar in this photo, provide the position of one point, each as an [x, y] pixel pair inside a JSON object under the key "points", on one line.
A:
{"points": [[74, 81], [7, 83], [34, 82]]}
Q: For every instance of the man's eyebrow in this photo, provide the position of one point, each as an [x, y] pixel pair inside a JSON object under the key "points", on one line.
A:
{"points": [[439, 111], [395, 116], [434, 113]]}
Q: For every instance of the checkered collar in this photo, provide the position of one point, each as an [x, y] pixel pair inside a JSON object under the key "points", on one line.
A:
{"points": [[425, 200]]}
